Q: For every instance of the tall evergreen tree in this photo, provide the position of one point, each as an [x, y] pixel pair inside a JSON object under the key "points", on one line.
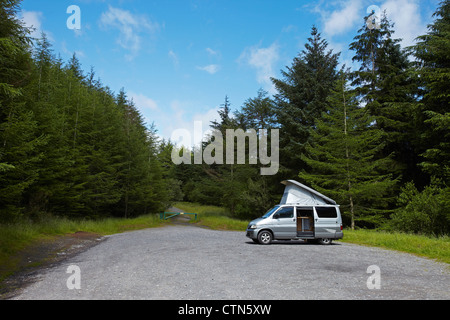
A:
{"points": [[75, 67], [257, 113], [19, 139], [41, 98], [14, 51], [384, 86], [343, 163], [226, 121], [302, 99], [43, 58], [433, 69]]}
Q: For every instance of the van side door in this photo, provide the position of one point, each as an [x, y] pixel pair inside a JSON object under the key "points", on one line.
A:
{"points": [[326, 222], [305, 222], [284, 224]]}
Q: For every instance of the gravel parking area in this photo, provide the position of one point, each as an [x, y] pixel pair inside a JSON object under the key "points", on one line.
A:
{"points": [[183, 262]]}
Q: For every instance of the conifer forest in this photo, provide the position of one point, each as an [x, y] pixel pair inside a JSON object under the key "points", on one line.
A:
{"points": [[375, 139]]}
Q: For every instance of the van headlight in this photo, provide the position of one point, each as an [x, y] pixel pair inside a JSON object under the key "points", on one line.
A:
{"points": [[253, 226]]}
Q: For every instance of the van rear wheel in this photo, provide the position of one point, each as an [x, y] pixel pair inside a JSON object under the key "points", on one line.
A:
{"points": [[325, 241], [265, 237]]}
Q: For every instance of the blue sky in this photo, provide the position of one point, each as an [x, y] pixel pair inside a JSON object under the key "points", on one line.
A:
{"points": [[178, 59]]}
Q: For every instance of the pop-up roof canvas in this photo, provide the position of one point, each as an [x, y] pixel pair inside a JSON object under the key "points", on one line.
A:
{"points": [[299, 194]]}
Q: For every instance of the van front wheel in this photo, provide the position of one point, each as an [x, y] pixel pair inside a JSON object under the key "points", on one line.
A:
{"points": [[265, 237], [325, 241]]}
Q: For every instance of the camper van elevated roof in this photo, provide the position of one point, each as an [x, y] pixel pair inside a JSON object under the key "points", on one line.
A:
{"points": [[300, 194]]}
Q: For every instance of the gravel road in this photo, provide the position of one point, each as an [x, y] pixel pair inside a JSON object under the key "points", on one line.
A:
{"points": [[183, 262]]}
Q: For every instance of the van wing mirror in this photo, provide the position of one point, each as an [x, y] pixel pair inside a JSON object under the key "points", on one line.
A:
{"points": [[276, 216]]}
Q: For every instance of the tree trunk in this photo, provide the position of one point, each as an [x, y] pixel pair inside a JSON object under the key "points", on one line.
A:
{"points": [[347, 155]]}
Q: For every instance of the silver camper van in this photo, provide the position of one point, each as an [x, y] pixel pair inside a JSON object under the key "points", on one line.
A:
{"points": [[303, 214]]}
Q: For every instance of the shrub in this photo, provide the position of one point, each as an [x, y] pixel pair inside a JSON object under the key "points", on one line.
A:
{"points": [[426, 212]]}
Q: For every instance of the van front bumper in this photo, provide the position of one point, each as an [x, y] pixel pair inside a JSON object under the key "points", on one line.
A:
{"points": [[252, 233]]}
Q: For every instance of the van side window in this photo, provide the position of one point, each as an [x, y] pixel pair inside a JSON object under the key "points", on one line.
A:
{"points": [[305, 212], [326, 212], [285, 213]]}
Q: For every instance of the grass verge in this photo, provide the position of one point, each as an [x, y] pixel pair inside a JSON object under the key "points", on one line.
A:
{"points": [[429, 247]]}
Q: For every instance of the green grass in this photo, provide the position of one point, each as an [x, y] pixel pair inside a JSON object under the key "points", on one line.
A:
{"points": [[17, 237], [213, 217], [429, 247]]}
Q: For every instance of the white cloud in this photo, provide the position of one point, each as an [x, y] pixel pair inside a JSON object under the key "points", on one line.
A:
{"points": [[130, 26], [407, 18], [211, 69], [263, 60], [212, 52], [289, 28], [348, 15], [33, 19], [173, 56], [143, 102], [344, 19], [182, 119]]}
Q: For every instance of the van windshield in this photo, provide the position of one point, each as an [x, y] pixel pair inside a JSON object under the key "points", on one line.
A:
{"points": [[269, 213]]}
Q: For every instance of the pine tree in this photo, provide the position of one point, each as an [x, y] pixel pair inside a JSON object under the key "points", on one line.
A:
{"points": [[342, 159], [140, 173], [383, 84], [433, 69], [223, 175], [14, 56], [226, 121], [42, 97], [14, 51], [19, 138], [75, 67], [257, 113], [302, 99], [256, 195], [43, 59], [20, 144]]}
